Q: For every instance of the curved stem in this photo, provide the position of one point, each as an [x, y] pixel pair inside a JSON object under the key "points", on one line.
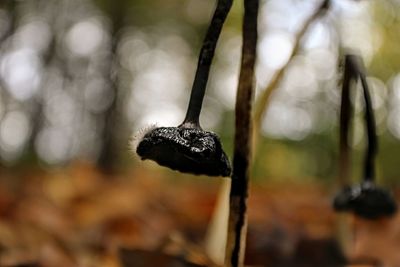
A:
{"points": [[237, 224], [354, 69], [372, 149], [204, 63], [264, 98], [345, 115]]}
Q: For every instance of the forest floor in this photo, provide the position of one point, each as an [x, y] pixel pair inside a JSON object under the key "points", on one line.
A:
{"points": [[79, 217]]}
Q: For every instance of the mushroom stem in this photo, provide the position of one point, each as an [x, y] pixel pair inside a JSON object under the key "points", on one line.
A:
{"points": [[203, 66], [345, 115], [187, 148], [354, 68], [372, 149], [237, 223]]}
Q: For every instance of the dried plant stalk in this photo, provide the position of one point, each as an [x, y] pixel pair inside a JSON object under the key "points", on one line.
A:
{"points": [[237, 223]]}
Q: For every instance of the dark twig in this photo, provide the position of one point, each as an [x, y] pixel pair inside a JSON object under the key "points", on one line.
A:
{"points": [[204, 63], [237, 226]]}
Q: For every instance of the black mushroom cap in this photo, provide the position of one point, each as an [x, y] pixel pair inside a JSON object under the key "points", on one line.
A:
{"points": [[189, 150], [366, 200], [342, 200]]}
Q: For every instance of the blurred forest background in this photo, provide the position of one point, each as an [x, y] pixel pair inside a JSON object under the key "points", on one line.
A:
{"points": [[79, 77]]}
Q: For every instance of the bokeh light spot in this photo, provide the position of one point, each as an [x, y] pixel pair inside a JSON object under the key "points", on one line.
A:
{"points": [[14, 132], [275, 49], [20, 70], [85, 37]]}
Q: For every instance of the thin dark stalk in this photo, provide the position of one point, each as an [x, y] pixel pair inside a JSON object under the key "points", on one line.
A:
{"points": [[204, 63], [354, 69], [365, 200], [372, 149], [345, 115], [237, 225]]}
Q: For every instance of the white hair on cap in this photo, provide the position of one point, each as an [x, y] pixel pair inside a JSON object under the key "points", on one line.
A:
{"points": [[138, 136]]}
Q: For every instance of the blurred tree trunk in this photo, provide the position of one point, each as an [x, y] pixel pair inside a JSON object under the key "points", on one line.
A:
{"points": [[49, 59], [109, 156], [11, 7]]}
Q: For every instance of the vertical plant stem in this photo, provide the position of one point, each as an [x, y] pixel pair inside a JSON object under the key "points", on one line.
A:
{"points": [[345, 233], [353, 69], [357, 68], [345, 115], [237, 224], [204, 63], [372, 149]]}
